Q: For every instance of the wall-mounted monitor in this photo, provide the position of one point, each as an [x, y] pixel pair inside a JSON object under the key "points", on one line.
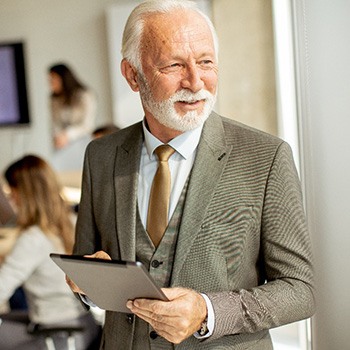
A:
{"points": [[14, 109]]}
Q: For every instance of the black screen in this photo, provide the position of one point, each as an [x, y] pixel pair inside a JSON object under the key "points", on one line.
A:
{"points": [[13, 92]]}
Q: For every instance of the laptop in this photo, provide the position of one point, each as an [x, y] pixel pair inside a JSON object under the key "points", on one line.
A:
{"points": [[7, 214]]}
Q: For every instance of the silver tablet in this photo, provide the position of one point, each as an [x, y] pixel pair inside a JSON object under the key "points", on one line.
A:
{"points": [[109, 283]]}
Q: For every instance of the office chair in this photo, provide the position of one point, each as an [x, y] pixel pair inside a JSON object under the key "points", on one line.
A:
{"points": [[49, 333]]}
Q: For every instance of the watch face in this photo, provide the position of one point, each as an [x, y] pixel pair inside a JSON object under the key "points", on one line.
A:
{"points": [[204, 328]]}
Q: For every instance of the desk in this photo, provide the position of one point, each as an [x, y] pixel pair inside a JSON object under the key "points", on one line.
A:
{"points": [[8, 236], [71, 182]]}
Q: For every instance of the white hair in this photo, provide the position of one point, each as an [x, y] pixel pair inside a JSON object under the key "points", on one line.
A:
{"points": [[131, 43]]}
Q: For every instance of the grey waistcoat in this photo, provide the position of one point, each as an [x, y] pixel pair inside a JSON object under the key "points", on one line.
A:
{"points": [[159, 262]]}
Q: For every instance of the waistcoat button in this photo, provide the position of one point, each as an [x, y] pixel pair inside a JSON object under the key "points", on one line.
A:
{"points": [[153, 335], [155, 263], [130, 318]]}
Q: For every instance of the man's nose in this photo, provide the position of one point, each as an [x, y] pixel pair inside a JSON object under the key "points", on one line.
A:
{"points": [[192, 78]]}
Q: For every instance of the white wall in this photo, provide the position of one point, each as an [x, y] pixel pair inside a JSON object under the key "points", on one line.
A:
{"points": [[71, 31], [326, 138]]}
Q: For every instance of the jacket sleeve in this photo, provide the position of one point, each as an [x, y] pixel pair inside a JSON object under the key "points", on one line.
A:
{"points": [[86, 236], [286, 259]]}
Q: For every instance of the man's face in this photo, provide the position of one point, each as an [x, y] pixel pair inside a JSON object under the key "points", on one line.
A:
{"points": [[165, 112], [179, 79]]}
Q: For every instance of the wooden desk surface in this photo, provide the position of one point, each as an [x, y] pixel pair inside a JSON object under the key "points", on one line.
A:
{"points": [[8, 236]]}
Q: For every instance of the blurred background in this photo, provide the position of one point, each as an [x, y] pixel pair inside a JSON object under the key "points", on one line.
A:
{"points": [[283, 69]]}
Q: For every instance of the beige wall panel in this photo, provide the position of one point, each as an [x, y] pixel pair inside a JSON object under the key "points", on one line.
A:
{"points": [[246, 62]]}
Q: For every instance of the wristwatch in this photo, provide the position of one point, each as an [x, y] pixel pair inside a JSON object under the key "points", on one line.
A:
{"points": [[204, 328]]}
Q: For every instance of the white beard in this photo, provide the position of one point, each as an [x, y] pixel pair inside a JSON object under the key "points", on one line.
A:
{"points": [[165, 113]]}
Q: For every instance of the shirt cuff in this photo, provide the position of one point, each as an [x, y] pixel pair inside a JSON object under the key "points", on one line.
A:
{"points": [[85, 299], [210, 320]]}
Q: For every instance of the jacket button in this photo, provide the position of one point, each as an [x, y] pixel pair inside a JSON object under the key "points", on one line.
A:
{"points": [[130, 318], [155, 263], [153, 335]]}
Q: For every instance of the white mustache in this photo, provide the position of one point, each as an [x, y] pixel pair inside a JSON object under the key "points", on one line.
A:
{"points": [[190, 97]]}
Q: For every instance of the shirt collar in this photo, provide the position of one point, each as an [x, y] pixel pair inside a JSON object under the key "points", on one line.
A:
{"points": [[184, 144]]}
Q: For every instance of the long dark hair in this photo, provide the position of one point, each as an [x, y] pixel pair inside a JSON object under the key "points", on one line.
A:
{"points": [[40, 201], [71, 84]]}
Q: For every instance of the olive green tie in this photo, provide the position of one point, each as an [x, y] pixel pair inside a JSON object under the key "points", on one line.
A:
{"points": [[158, 207]]}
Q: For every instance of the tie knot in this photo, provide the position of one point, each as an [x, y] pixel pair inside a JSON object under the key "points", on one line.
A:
{"points": [[164, 152]]}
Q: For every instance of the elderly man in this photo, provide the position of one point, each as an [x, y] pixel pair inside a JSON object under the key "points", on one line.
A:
{"points": [[234, 256]]}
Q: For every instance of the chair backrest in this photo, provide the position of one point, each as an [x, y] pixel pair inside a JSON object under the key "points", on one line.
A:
{"points": [[48, 334]]}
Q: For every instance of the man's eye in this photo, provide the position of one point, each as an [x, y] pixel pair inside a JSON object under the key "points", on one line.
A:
{"points": [[206, 62], [171, 68]]}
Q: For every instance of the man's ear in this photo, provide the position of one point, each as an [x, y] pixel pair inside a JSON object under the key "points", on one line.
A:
{"points": [[130, 74]]}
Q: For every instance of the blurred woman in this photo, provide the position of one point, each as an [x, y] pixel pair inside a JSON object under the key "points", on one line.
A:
{"points": [[46, 226], [73, 106]]}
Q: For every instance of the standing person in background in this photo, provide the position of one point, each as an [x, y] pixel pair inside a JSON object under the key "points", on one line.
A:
{"points": [[46, 225], [73, 106]]}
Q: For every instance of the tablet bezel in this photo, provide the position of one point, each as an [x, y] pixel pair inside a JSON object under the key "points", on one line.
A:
{"points": [[109, 284]]}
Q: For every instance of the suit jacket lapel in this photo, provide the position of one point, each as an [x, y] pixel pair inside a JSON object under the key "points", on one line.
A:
{"points": [[207, 169], [126, 179]]}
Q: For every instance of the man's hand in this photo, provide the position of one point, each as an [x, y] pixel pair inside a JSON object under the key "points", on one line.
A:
{"points": [[99, 255], [176, 319]]}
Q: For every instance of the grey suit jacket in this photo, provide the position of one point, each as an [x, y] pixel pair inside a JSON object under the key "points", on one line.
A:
{"points": [[243, 238]]}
